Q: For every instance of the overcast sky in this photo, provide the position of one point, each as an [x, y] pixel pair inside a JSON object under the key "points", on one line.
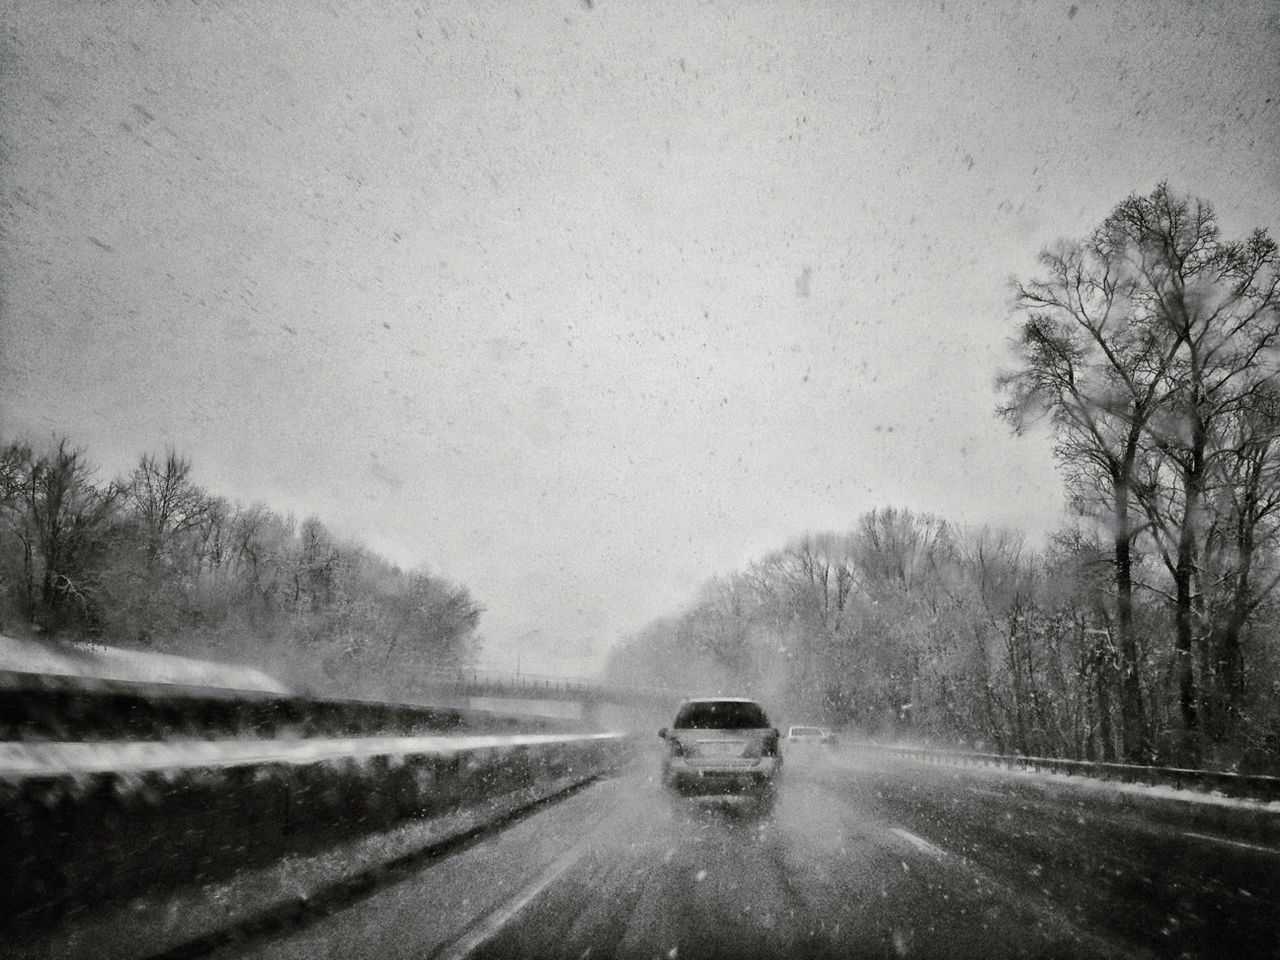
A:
{"points": [[579, 304]]}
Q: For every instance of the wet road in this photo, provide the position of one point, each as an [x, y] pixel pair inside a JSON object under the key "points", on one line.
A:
{"points": [[862, 858]]}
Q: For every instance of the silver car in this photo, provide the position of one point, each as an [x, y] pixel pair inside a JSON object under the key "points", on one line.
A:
{"points": [[810, 736], [722, 745]]}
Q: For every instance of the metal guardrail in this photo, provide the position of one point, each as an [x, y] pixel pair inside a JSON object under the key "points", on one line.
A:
{"points": [[1246, 786], [36, 707], [54, 707]]}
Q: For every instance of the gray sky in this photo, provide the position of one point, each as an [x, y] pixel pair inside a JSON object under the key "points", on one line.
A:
{"points": [[581, 305]]}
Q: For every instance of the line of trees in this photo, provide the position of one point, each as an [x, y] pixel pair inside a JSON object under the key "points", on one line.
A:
{"points": [[1147, 629], [1151, 347], [152, 560]]}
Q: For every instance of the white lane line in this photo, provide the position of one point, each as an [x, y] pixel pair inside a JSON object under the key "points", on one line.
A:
{"points": [[487, 928], [1234, 843], [924, 846]]}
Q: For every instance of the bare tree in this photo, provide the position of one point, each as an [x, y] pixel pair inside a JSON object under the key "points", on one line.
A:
{"points": [[1240, 566], [1092, 361], [63, 524], [15, 465], [1216, 304], [1143, 345], [165, 501]]}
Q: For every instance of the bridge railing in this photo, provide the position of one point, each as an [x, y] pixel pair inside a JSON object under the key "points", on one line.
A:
{"points": [[1248, 786], [467, 679]]}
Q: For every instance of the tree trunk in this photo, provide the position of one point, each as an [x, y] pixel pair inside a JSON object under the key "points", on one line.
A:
{"points": [[1184, 592], [1104, 711], [1182, 648], [1136, 746], [1226, 643]]}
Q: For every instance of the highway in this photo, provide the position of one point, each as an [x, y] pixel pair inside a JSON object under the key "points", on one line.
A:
{"points": [[863, 857]]}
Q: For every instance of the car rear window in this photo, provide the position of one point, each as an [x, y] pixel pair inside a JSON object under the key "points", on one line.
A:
{"points": [[806, 732], [721, 715]]}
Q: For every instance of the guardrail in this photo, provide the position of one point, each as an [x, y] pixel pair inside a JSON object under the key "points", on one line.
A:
{"points": [[44, 707], [109, 823], [1247, 786], [543, 685]]}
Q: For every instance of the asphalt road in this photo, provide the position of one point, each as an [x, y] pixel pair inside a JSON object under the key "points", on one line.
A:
{"points": [[862, 858]]}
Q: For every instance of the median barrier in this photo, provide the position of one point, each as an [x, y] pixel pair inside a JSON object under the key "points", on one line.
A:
{"points": [[131, 825]]}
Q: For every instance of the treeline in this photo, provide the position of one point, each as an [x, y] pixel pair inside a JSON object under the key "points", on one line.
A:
{"points": [[1146, 632], [154, 561], [908, 626]]}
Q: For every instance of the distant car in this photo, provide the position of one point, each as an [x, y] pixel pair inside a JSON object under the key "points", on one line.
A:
{"points": [[810, 736], [722, 745]]}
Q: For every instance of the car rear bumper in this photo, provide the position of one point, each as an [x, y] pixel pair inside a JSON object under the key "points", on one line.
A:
{"points": [[708, 778]]}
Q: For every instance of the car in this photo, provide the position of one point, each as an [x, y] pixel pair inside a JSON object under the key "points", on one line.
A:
{"points": [[810, 736], [722, 745]]}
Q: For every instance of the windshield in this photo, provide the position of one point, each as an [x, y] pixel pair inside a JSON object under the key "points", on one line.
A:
{"points": [[721, 715], [445, 445]]}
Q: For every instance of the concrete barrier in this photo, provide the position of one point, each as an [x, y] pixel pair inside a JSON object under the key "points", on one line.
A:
{"points": [[127, 827]]}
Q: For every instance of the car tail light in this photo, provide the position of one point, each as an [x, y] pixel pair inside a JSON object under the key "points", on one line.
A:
{"points": [[677, 748], [770, 746]]}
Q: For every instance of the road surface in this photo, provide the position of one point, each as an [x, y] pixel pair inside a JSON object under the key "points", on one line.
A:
{"points": [[863, 858]]}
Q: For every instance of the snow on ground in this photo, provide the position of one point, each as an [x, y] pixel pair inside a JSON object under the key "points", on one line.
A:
{"points": [[34, 759], [99, 662], [1026, 774]]}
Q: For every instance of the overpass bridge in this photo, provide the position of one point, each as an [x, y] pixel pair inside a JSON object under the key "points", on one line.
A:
{"points": [[545, 694], [501, 683]]}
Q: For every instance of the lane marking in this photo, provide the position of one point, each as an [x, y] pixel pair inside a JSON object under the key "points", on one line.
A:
{"points": [[924, 846], [1235, 843], [488, 927]]}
